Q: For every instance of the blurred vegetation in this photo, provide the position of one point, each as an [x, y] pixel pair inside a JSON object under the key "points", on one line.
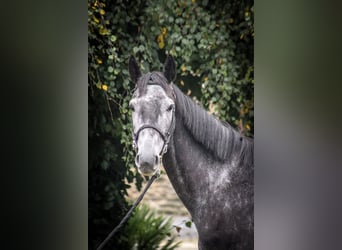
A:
{"points": [[212, 42], [145, 230]]}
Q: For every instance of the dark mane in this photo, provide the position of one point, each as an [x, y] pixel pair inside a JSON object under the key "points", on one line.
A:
{"points": [[218, 137]]}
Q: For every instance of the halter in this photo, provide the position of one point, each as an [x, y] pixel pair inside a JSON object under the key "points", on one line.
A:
{"points": [[166, 137]]}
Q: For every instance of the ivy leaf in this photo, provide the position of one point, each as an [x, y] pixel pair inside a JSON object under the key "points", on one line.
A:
{"points": [[113, 38]]}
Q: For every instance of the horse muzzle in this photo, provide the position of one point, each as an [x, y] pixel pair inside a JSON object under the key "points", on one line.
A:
{"points": [[147, 164]]}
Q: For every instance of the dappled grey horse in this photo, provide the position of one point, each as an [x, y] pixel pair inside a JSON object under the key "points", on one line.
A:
{"points": [[209, 164]]}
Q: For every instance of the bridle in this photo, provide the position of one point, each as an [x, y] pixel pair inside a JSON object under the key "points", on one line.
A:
{"points": [[165, 137]]}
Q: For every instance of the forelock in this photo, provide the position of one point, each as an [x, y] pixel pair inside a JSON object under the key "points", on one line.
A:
{"points": [[154, 78]]}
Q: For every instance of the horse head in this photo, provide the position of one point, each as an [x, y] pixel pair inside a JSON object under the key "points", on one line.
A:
{"points": [[153, 114]]}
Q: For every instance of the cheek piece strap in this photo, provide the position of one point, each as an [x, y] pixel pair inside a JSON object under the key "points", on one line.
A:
{"points": [[165, 137]]}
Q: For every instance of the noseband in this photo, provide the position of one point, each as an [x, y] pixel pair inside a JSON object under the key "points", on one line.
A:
{"points": [[166, 137]]}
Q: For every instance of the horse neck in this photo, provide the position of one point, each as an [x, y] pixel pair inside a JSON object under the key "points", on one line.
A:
{"points": [[194, 170], [187, 164]]}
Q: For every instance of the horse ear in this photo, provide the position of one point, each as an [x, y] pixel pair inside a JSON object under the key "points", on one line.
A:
{"points": [[134, 69], [170, 69]]}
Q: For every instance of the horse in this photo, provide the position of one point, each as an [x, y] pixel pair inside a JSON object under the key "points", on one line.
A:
{"points": [[210, 164]]}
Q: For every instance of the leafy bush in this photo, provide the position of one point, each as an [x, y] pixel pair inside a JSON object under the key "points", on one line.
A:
{"points": [[145, 231]]}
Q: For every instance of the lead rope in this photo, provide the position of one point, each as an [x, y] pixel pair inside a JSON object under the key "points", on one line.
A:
{"points": [[155, 176], [123, 221]]}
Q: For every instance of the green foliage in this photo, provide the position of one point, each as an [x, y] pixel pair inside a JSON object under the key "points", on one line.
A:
{"points": [[145, 230], [212, 42]]}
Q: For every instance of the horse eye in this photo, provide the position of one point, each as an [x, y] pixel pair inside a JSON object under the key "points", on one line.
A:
{"points": [[170, 107]]}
